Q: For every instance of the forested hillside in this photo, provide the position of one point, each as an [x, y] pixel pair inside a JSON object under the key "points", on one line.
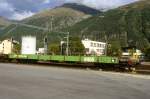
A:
{"points": [[127, 25]]}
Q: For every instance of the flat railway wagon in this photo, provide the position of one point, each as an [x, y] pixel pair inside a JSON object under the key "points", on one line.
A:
{"points": [[86, 61], [97, 60]]}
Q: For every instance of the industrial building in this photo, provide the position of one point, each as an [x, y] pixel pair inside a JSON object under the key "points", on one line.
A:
{"points": [[94, 47]]}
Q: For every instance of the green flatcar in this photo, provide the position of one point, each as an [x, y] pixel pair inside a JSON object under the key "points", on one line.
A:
{"points": [[75, 59]]}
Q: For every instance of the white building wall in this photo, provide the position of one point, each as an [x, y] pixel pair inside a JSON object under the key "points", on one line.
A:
{"points": [[94, 47], [28, 45], [6, 47], [41, 51]]}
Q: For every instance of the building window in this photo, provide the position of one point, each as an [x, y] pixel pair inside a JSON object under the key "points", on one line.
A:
{"points": [[91, 44], [97, 44], [98, 50], [94, 44], [87, 49], [103, 45]]}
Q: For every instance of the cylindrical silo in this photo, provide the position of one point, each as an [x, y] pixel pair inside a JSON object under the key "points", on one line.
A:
{"points": [[28, 45]]}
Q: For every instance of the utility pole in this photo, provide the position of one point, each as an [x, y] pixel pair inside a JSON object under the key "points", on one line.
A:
{"points": [[67, 49], [106, 39], [45, 45], [61, 47], [46, 40], [3, 48], [46, 36], [126, 39], [66, 41], [52, 23], [11, 45]]}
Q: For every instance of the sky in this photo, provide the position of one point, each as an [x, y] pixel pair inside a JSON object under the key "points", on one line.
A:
{"points": [[20, 9]]}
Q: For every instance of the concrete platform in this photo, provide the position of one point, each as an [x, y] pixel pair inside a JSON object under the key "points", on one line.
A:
{"points": [[34, 82]]}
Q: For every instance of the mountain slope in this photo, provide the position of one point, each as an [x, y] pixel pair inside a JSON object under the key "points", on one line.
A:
{"points": [[4, 22], [53, 19], [82, 8], [128, 25], [63, 16]]}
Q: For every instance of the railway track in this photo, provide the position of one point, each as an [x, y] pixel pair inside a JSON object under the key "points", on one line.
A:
{"points": [[144, 68], [140, 69]]}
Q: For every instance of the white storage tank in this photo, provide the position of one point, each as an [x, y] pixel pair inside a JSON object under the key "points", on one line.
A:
{"points": [[28, 45]]}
